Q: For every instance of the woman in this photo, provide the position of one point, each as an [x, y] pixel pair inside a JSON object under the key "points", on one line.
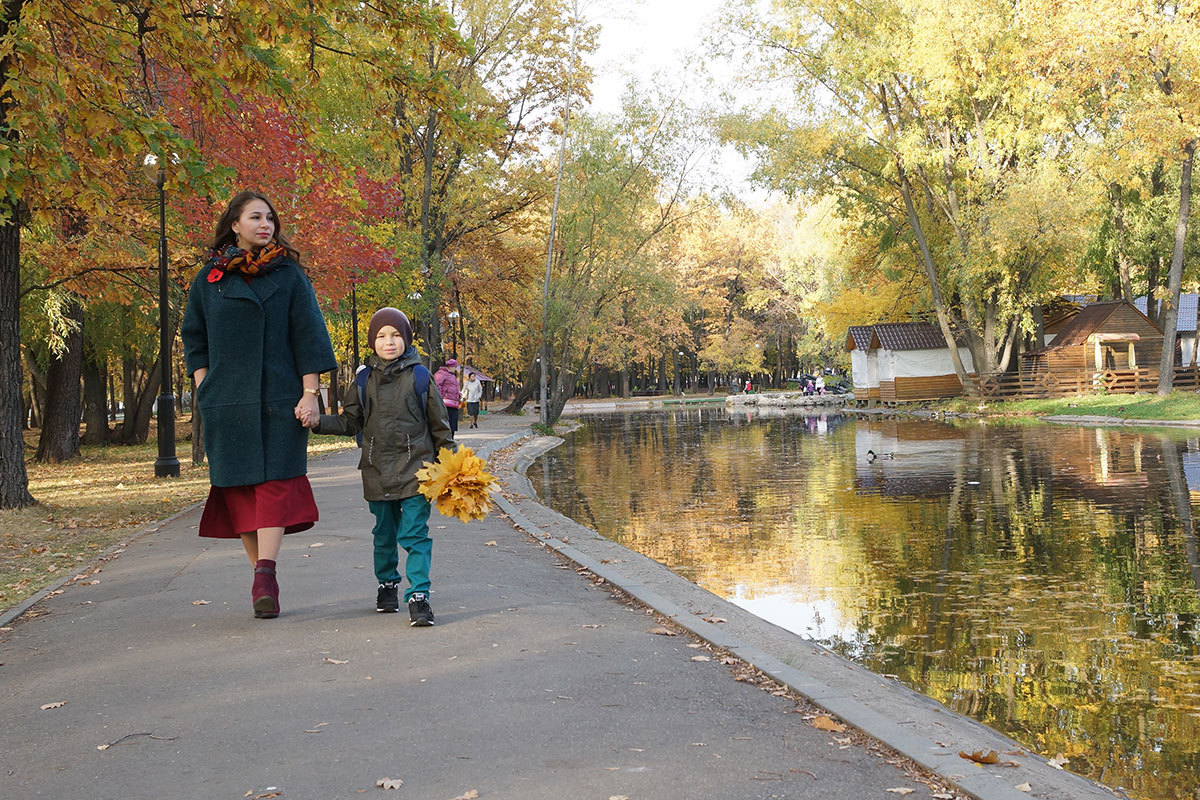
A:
{"points": [[472, 394], [446, 379], [255, 343]]}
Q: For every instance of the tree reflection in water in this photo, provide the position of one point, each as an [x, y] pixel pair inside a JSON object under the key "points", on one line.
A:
{"points": [[1043, 579]]}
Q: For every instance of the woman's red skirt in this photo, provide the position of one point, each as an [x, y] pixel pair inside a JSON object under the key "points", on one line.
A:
{"points": [[233, 510]]}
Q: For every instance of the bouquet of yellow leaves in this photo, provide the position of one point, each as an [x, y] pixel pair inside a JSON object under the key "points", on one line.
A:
{"points": [[457, 483]]}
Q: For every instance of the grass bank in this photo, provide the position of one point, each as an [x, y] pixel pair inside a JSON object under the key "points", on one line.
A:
{"points": [[93, 502], [1175, 406]]}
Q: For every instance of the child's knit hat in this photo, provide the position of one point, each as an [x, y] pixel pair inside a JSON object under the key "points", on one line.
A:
{"points": [[390, 316]]}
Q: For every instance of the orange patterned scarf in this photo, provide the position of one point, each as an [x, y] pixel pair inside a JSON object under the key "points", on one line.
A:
{"points": [[235, 259]]}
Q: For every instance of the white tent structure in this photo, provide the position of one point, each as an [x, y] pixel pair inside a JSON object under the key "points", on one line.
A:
{"points": [[864, 362], [914, 362]]}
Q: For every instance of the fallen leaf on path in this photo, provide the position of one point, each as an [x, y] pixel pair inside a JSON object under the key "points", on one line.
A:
{"points": [[317, 544], [980, 757], [824, 723], [715, 620], [389, 783], [201, 602], [49, 706], [1058, 761], [661, 631], [329, 660], [701, 658], [901, 790], [1024, 787], [591, 626], [618, 797], [492, 543], [471, 795]]}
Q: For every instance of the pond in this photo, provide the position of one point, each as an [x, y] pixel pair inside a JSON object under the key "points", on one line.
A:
{"points": [[1043, 579]]}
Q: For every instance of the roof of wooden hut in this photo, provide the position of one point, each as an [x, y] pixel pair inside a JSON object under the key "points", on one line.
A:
{"points": [[1087, 322]]}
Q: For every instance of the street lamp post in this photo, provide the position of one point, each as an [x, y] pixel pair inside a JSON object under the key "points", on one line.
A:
{"points": [[354, 321], [453, 317], [167, 464]]}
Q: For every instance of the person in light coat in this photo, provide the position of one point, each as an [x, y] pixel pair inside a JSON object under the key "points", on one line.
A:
{"points": [[472, 394]]}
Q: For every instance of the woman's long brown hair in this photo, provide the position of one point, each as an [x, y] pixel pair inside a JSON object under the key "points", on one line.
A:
{"points": [[224, 236]]}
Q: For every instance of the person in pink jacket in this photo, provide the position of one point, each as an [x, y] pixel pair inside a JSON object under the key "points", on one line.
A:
{"points": [[446, 379]]}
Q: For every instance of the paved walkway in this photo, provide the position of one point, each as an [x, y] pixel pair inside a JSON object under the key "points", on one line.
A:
{"points": [[151, 679]]}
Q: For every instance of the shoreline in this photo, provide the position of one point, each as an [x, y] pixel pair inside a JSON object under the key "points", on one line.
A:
{"points": [[839, 404]]}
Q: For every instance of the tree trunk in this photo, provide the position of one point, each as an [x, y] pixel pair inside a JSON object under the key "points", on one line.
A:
{"points": [[60, 427], [37, 389], [1170, 317], [935, 288], [14, 480], [136, 427], [95, 399], [564, 387], [625, 382], [129, 386], [1122, 259], [528, 389]]}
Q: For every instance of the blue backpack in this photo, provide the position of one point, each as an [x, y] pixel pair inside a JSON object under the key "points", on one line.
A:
{"points": [[420, 378]]}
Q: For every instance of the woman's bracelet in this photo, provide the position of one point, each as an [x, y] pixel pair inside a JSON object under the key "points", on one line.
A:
{"points": [[313, 392]]}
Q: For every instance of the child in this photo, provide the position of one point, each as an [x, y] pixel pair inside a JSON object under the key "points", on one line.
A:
{"points": [[403, 421]]}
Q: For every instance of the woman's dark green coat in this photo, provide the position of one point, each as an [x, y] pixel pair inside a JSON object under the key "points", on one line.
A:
{"points": [[257, 339]]}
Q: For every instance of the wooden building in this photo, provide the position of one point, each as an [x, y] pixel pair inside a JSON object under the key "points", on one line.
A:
{"points": [[904, 361], [1113, 336]]}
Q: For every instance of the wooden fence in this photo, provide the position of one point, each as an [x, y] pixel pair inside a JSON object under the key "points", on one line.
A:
{"points": [[1069, 383]]}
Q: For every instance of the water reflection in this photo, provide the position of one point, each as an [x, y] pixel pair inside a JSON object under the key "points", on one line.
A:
{"points": [[1043, 579]]}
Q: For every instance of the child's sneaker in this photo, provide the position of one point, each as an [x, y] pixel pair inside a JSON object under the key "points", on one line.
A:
{"points": [[420, 615], [387, 600]]}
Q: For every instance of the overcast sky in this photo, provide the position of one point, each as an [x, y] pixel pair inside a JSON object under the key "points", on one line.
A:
{"points": [[640, 37]]}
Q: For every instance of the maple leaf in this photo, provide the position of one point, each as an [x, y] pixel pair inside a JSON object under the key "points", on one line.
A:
{"points": [[457, 483], [825, 723], [980, 757]]}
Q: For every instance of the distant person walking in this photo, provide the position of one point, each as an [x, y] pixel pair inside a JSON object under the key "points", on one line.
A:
{"points": [[447, 384], [255, 343], [472, 394], [404, 424]]}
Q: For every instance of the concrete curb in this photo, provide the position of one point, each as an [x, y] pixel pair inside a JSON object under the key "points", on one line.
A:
{"points": [[938, 759], [1069, 419]]}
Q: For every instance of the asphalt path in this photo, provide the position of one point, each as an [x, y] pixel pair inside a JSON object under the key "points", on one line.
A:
{"points": [[150, 678]]}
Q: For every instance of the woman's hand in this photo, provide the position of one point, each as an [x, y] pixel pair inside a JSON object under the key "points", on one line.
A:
{"points": [[307, 411]]}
